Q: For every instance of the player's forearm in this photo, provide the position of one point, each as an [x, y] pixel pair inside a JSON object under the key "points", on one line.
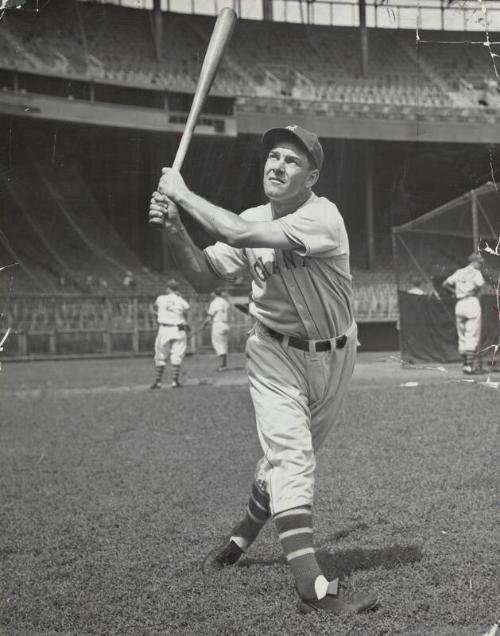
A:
{"points": [[223, 225], [191, 260]]}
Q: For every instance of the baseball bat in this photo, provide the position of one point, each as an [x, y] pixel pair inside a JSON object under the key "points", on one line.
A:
{"points": [[219, 40]]}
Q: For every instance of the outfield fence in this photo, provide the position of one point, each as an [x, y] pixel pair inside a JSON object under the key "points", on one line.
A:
{"points": [[103, 326], [53, 326]]}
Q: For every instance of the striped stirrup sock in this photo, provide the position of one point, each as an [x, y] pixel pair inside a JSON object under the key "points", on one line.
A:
{"points": [[296, 535], [256, 515], [469, 358], [176, 371], [159, 374]]}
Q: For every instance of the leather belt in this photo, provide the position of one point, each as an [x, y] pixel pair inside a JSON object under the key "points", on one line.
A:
{"points": [[303, 345], [166, 324]]}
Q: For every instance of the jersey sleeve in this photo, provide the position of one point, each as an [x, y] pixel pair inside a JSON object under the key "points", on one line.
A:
{"points": [[211, 309], [316, 230], [226, 261], [451, 280], [479, 281]]}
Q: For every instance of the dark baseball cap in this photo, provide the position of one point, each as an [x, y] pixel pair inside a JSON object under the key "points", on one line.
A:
{"points": [[173, 284], [475, 258], [307, 139]]}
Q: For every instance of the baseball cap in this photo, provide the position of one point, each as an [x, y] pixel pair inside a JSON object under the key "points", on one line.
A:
{"points": [[307, 139], [475, 257], [173, 284]]}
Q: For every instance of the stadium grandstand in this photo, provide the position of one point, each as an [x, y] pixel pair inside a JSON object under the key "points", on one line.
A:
{"points": [[94, 96]]}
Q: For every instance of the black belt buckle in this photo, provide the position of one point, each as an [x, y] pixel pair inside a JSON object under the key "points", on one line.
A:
{"points": [[326, 345], [181, 327]]}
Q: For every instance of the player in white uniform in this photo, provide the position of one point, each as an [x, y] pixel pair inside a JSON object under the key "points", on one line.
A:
{"points": [[218, 315], [466, 283], [302, 349], [171, 312]]}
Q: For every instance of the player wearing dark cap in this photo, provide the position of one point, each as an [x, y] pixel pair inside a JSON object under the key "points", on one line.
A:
{"points": [[301, 351]]}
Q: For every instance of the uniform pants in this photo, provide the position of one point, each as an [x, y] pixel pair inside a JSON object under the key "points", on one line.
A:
{"points": [[468, 321], [297, 396], [170, 342], [220, 331]]}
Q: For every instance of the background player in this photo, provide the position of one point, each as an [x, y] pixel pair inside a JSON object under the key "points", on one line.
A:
{"points": [[416, 287], [218, 315], [302, 349], [171, 311], [466, 283]]}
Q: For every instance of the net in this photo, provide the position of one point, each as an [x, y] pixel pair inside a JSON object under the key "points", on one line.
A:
{"points": [[430, 248]]}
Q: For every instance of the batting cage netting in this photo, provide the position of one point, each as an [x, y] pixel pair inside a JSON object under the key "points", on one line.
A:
{"points": [[430, 248]]}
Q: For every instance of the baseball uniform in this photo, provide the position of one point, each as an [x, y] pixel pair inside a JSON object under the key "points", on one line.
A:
{"points": [[299, 295], [171, 340], [300, 352], [218, 311], [467, 281]]}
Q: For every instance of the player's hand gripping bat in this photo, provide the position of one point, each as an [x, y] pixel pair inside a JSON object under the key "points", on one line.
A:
{"points": [[219, 40]]}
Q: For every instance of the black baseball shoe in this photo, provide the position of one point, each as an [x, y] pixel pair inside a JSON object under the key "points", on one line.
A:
{"points": [[156, 385], [176, 384], [340, 603], [221, 557]]}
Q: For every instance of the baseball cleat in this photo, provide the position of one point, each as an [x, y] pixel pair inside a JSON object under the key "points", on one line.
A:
{"points": [[220, 557], [340, 603], [155, 385], [175, 384], [467, 369]]}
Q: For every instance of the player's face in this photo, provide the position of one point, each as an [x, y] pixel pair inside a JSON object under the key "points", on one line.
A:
{"points": [[288, 173]]}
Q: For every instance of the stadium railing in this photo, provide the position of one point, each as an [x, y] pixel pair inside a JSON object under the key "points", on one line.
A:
{"points": [[103, 325], [99, 326]]}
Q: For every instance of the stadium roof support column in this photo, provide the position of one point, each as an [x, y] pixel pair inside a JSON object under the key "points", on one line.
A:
{"points": [[364, 38], [267, 10], [475, 224], [81, 26], [158, 29], [369, 212]]}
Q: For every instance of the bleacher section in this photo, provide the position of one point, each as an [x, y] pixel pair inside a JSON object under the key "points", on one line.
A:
{"points": [[59, 238], [63, 244], [281, 60], [54, 229]]}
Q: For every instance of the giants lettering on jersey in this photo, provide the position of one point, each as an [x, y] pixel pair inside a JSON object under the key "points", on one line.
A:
{"points": [[277, 261], [304, 291]]}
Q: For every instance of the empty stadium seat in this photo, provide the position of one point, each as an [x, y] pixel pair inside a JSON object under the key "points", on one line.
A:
{"points": [[297, 61]]}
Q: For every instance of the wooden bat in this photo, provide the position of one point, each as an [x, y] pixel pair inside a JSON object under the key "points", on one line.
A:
{"points": [[219, 40]]}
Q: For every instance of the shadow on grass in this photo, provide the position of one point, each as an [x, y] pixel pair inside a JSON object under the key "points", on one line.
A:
{"points": [[345, 532], [343, 562]]}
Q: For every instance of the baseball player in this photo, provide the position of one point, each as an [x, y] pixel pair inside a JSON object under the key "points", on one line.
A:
{"points": [[218, 315], [301, 350], [466, 283], [171, 312]]}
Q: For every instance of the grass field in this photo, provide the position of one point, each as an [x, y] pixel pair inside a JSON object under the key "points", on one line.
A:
{"points": [[111, 495]]}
